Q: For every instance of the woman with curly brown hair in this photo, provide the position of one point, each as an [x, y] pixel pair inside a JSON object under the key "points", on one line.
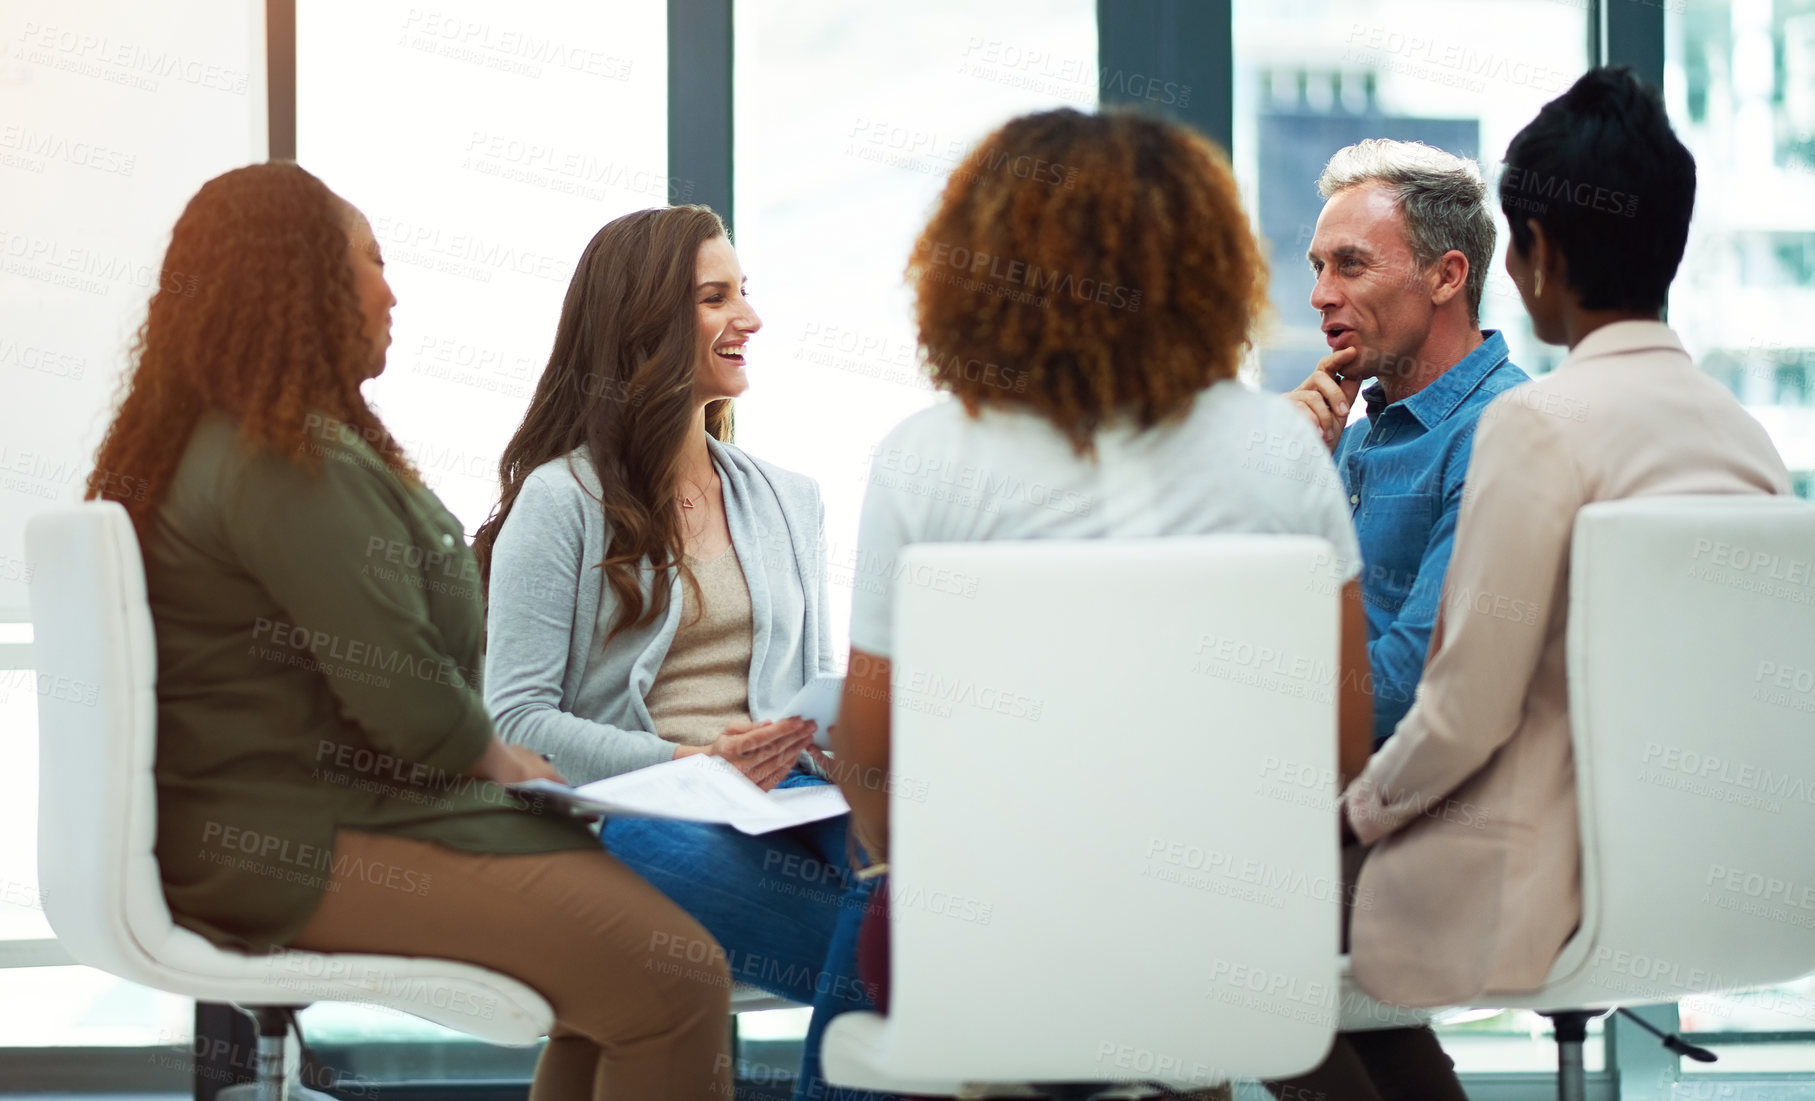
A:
{"points": [[1089, 323], [327, 777]]}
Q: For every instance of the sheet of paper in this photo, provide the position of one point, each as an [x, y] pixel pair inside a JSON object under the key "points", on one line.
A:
{"points": [[697, 788], [818, 700], [811, 803]]}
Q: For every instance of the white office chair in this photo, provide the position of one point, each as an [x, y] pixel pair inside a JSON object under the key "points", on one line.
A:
{"points": [[1098, 871], [97, 824], [1692, 713]]}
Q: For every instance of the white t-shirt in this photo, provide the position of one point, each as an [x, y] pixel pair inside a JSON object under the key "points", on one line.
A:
{"points": [[1239, 461]]}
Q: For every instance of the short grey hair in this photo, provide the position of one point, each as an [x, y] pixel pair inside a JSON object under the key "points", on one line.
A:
{"points": [[1441, 195]]}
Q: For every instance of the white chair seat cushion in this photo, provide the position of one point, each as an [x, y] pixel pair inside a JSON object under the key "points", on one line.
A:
{"points": [[460, 996], [853, 1053], [465, 997]]}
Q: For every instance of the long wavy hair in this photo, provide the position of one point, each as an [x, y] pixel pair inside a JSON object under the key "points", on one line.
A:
{"points": [[619, 382], [263, 322]]}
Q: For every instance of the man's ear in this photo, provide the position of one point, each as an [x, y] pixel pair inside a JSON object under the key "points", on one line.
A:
{"points": [[1450, 275]]}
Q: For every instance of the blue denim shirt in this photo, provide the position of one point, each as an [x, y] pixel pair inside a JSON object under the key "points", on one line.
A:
{"points": [[1403, 468]]}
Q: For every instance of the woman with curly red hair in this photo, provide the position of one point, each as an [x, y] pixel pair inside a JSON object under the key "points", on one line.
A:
{"points": [[1089, 322], [327, 775]]}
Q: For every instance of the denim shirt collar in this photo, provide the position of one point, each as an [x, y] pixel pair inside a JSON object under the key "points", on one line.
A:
{"points": [[1437, 401]]}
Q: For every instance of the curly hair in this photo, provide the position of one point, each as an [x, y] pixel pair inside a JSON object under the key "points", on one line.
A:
{"points": [[266, 325], [1087, 266], [619, 381]]}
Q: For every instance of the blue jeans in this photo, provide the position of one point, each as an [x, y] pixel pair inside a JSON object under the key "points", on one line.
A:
{"points": [[783, 905]]}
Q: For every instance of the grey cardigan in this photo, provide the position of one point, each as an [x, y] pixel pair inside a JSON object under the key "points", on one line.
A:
{"points": [[553, 685]]}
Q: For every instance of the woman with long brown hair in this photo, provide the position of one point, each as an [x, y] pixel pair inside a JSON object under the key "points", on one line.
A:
{"points": [[652, 587], [327, 777]]}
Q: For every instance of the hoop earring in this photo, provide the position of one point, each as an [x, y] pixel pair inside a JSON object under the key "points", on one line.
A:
{"points": [[1537, 283]]}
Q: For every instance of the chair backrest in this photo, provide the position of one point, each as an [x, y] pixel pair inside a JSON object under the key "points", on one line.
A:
{"points": [[97, 713], [1112, 831], [1692, 706]]}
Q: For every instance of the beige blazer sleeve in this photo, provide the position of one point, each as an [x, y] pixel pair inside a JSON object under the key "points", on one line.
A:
{"points": [[1506, 576]]}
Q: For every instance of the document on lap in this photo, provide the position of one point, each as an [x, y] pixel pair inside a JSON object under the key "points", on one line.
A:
{"points": [[695, 788]]}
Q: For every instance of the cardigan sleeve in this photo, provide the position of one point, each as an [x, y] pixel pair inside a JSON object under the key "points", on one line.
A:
{"points": [[536, 572]]}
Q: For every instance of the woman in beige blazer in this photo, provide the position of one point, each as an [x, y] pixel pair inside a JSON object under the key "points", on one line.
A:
{"points": [[1469, 809]]}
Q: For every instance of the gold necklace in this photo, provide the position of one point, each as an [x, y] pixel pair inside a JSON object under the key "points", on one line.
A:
{"points": [[687, 502]]}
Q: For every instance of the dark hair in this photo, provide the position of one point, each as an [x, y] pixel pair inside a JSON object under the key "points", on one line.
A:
{"points": [[1087, 265], [620, 382], [256, 314], [1603, 173]]}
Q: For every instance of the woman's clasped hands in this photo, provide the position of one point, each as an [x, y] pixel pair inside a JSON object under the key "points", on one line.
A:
{"points": [[763, 752]]}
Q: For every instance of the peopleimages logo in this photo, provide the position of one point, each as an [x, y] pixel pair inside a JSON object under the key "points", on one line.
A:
{"points": [[1737, 556], [1521, 181], [464, 254], [122, 62], [1738, 566], [331, 650], [506, 49], [1047, 281], [1456, 63], [906, 470], [1782, 684], [31, 143], [1764, 888], [1714, 769], [922, 684], [1652, 972], [305, 971], [1270, 879], [230, 846]]}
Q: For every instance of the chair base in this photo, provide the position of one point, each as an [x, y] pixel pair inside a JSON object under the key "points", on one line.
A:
{"points": [[277, 1064], [1572, 1030]]}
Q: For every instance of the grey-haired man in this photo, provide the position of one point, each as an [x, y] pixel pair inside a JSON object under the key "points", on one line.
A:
{"points": [[1401, 254]]}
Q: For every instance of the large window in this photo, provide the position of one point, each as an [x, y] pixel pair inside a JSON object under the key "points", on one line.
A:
{"points": [[486, 144], [1315, 75], [849, 119], [112, 113], [1739, 80]]}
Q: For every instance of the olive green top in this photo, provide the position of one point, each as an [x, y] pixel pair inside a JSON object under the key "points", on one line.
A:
{"points": [[319, 638]]}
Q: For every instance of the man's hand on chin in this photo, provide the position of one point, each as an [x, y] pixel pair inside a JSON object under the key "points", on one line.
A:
{"points": [[1327, 396]]}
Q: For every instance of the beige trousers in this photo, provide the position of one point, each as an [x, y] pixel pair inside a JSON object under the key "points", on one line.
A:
{"points": [[636, 1020]]}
